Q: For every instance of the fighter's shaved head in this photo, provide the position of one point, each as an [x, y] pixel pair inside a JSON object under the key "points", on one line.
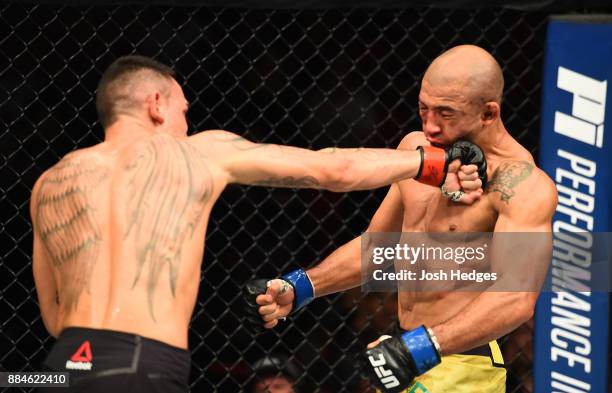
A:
{"points": [[126, 83], [471, 69]]}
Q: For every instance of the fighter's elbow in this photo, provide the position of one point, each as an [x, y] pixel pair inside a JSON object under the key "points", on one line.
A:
{"points": [[526, 314], [524, 307]]}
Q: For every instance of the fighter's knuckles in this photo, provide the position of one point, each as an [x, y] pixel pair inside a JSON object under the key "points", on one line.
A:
{"points": [[271, 324], [468, 169], [454, 166], [267, 309], [273, 288], [467, 176], [270, 317], [262, 300], [471, 185], [469, 153]]}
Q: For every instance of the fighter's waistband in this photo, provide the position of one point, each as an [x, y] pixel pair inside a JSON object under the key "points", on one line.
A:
{"points": [[95, 352], [490, 350]]}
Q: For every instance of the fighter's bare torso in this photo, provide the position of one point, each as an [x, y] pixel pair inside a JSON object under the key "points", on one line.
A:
{"points": [[426, 210], [124, 226]]}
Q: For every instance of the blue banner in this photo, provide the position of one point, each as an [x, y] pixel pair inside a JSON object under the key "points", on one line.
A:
{"points": [[572, 332]]}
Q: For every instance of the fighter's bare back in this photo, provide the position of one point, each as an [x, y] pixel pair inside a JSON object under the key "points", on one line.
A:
{"points": [[124, 228]]}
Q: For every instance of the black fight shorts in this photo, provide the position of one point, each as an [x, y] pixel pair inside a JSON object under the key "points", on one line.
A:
{"points": [[104, 361]]}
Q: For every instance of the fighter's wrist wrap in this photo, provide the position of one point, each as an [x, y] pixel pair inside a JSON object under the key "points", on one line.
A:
{"points": [[423, 348], [394, 362], [302, 288], [434, 166]]}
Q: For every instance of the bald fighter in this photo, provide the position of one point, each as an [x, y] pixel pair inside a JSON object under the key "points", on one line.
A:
{"points": [[119, 227], [447, 339]]}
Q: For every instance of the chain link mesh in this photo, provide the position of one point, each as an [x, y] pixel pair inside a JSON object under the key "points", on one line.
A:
{"points": [[306, 78]]}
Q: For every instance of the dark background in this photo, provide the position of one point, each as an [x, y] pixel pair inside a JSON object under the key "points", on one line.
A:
{"points": [[311, 78]]}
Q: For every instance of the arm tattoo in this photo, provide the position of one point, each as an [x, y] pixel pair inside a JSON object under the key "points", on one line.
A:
{"points": [[168, 187], [289, 181], [67, 223], [507, 176]]}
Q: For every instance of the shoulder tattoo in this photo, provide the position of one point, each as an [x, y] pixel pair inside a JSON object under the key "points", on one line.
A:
{"points": [[507, 176]]}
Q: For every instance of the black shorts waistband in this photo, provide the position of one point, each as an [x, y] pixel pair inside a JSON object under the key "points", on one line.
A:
{"points": [[114, 335], [87, 353]]}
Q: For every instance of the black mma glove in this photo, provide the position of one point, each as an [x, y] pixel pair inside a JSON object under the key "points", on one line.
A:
{"points": [[392, 364], [435, 161], [296, 280], [252, 289]]}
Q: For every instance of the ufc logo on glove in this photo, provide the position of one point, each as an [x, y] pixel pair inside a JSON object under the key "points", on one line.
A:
{"points": [[395, 361], [386, 376]]}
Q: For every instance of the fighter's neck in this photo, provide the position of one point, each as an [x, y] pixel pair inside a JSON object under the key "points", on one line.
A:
{"points": [[128, 130], [495, 141]]}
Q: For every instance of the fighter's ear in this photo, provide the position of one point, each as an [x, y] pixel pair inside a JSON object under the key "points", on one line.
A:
{"points": [[491, 112], [154, 104]]}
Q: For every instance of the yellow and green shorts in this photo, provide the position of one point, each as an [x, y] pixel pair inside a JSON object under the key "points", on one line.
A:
{"points": [[479, 370]]}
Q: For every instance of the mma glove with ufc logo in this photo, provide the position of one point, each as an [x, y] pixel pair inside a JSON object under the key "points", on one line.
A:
{"points": [[393, 363]]}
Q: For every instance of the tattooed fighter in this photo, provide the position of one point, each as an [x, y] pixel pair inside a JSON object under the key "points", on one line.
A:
{"points": [[119, 227], [447, 343]]}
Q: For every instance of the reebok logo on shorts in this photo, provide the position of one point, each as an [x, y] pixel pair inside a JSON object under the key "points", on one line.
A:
{"points": [[81, 359]]}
